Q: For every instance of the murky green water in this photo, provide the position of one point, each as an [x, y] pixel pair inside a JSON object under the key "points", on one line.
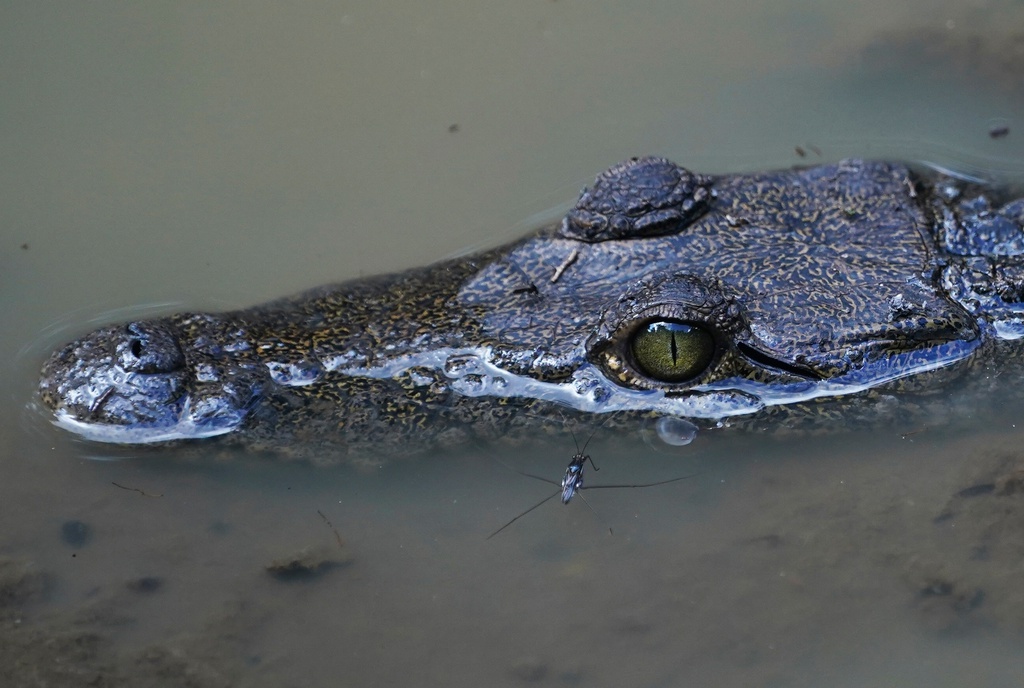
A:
{"points": [[221, 155]]}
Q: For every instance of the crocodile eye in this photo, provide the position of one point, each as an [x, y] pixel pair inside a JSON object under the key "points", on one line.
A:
{"points": [[672, 351]]}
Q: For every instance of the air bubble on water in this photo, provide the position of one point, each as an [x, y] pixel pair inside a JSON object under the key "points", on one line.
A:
{"points": [[675, 432]]}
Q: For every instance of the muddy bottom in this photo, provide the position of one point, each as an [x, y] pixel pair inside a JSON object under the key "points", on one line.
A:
{"points": [[845, 560]]}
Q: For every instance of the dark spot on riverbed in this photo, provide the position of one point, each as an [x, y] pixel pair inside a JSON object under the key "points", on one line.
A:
{"points": [[946, 604], [76, 534], [770, 541], [146, 584], [305, 564], [530, 669], [977, 490], [20, 583], [1010, 483]]}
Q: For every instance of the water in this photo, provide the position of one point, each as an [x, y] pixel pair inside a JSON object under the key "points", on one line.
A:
{"points": [[219, 156]]}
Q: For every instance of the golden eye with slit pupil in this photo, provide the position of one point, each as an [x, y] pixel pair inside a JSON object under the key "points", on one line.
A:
{"points": [[672, 351]]}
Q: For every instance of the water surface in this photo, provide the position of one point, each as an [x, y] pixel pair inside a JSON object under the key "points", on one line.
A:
{"points": [[220, 155]]}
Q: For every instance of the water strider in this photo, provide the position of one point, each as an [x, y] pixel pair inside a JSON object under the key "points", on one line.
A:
{"points": [[572, 480], [809, 297]]}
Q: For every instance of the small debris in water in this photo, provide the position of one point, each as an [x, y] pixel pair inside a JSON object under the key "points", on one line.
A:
{"points": [[135, 489], [453, 128], [75, 533], [337, 535], [565, 265], [911, 433], [999, 131], [24, 247]]}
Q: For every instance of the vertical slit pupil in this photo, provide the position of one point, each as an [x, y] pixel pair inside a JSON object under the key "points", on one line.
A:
{"points": [[672, 350]]}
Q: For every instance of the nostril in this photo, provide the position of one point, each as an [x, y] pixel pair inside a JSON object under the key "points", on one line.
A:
{"points": [[150, 347]]}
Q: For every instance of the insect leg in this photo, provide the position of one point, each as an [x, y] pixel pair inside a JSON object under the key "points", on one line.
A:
{"points": [[521, 515]]}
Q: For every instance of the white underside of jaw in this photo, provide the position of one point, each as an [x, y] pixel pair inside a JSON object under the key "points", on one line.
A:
{"points": [[590, 391], [185, 429]]}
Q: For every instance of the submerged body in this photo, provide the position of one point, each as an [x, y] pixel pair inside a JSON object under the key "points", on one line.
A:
{"points": [[769, 298]]}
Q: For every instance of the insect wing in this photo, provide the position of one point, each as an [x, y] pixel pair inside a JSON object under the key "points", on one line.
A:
{"points": [[572, 481]]}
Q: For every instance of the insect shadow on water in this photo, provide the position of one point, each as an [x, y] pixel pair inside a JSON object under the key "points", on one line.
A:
{"points": [[572, 480]]}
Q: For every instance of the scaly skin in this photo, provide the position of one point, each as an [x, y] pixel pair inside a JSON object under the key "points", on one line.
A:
{"points": [[824, 290]]}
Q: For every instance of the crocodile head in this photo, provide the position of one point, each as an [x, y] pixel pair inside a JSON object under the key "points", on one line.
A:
{"points": [[662, 293]]}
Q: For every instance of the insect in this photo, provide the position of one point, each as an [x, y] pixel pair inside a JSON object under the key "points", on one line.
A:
{"points": [[572, 480]]}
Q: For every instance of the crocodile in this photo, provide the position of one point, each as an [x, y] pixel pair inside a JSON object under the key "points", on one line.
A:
{"points": [[801, 296]]}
